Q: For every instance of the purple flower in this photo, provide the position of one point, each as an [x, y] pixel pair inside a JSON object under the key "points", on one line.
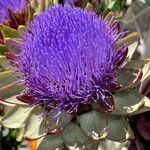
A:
{"points": [[70, 1], [69, 58], [7, 6]]}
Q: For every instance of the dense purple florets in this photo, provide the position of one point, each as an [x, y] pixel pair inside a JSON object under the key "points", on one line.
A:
{"points": [[68, 58], [7, 6], [70, 1]]}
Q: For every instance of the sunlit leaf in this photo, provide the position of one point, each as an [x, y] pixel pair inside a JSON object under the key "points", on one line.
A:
{"points": [[34, 127], [16, 117]]}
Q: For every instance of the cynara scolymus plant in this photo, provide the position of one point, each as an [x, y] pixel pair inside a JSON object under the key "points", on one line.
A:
{"points": [[72, 82]]}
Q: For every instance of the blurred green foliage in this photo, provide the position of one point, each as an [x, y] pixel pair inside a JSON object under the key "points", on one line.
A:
{"points": [[8, 139], [147, 1], [103, 7]]}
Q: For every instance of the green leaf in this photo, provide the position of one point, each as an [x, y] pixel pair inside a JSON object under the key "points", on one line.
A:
{"points": [[119, 129], [4, 62], [125, 78], [132, 41], [16, 117], [8, 85], [55, 2], [118, 5], [21, 29], [137, 64], [3, 49], [41, 6], [7, 78], [131, 50], [91, 145], [89, 7], [11, 44], [31, 12], [48, 3], [146, 106], [127, 102], [74, 136], [13, 100], [34, 127], [84, 3], [144, 65], [146, 72], [94, 125], [8, 32], [134, 72], [108, 145], [50, 142], [57, 120], [147, 2], [11, 90]]}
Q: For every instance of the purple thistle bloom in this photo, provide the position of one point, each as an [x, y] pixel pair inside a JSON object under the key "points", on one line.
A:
{"points": [[70, 1], [68, 58], [7, 6]]}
